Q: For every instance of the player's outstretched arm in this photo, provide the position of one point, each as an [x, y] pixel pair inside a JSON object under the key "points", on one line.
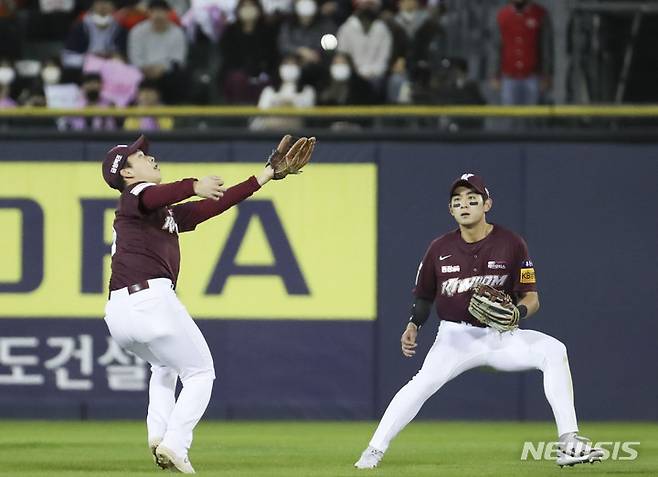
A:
{"points": [[209, 187], [265, 176]]}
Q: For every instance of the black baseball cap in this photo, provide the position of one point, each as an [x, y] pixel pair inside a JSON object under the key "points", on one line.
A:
{"points": [[471, 181], [115, 160]]}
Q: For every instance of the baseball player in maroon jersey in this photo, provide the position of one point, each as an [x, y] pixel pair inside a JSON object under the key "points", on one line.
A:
{"points": [[479, 253], [143, 312]]}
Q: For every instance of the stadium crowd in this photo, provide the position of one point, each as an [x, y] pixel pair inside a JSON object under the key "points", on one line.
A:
{"points": [[270, 53]]}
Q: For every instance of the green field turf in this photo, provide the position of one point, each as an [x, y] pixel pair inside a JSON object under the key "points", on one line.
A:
{"points": [[291, 449]]}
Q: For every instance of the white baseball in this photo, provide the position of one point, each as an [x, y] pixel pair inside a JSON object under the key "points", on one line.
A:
{"points": [[329, 42]]}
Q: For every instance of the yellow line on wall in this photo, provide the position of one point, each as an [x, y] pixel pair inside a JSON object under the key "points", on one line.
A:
{"points": [[609, 111]]}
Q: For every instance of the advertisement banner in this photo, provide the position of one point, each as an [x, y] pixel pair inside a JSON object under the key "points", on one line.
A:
{"points": [[303, 248]]}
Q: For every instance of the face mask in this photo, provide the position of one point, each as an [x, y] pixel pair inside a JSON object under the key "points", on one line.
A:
{"points": [[306, 8], [51, 74], [340, 71], [248, 13], [101, 20], [407, 16], [93, 95], [7, 74], [289, 73]]}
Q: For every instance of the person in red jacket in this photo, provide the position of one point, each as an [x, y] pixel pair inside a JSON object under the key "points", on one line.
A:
{"points": [[523, 56]]}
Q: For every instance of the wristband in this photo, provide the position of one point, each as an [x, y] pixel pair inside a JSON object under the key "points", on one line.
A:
{"points": [[523, 311]]}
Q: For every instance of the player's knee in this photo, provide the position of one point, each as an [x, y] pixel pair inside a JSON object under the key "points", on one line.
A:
{"points": [[425, 384], [201, 372]]}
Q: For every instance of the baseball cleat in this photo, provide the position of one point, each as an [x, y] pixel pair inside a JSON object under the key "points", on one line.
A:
{"points": [[369, 459], [167, 458], [153, 444], [577, 450]]}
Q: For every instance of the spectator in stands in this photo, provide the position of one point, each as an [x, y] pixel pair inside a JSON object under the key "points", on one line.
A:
{"points": [[50, 20], [287, 91], [51, 72], [345, 87], [7, 76], [136, 11], [10, 34], [275, 10], [301, 35], [249, 54], [411, 17], [368, 41], [92, 84], [449, 85], [523, 54], [29, 84], [158, 47], [96, 33], [149, 97]]}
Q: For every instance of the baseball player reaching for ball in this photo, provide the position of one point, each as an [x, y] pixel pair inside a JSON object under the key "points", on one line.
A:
{"points": [[143, 313], [482, 281]]}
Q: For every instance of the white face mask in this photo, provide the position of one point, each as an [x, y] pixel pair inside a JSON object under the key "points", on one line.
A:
{"points": [[101, 21], [407, 16], [248, 13], [51, 74], [289, 73], [306, 8], [340, 71], [7, 74]]}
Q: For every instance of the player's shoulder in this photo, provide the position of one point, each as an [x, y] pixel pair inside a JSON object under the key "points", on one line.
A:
{"points": [[129, 200], [509, 236], [443, 240], [133, 190]]}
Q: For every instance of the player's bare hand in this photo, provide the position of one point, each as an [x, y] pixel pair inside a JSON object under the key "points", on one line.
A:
{"points": [[408, 340], [210, 187]]}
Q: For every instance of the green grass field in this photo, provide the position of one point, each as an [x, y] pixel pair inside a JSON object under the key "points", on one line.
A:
{"points": [[291, 449]]}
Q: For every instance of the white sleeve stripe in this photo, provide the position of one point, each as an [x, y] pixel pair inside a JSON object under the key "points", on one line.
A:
{"points": [[140, 187], [418, 272]]}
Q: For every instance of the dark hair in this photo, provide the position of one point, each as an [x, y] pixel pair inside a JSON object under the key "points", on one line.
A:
{"points": [[92, 76], [149, 84], [159, 5]]}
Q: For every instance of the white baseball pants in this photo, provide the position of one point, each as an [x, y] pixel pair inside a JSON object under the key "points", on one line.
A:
{"points": [[459, 347], [154, 325]]}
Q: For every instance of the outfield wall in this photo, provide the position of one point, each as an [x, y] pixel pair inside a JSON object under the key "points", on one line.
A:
{"points": [[303, 291]]}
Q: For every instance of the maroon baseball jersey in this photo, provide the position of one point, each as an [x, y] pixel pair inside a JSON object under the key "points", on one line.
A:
{"points": [[145, 242], [451, 267]]}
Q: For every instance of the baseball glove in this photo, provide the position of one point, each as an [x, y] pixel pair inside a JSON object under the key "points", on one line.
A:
{"points": [[494, 308], [291, 155]]}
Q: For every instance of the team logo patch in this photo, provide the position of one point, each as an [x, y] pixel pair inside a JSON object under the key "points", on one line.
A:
{"points": [[528, 275], [450, 269], [494, 265], [115, 163]]}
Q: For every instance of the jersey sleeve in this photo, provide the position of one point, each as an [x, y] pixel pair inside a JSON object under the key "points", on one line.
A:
{"points": [[523, 271], [425, 286], [190, 214]]}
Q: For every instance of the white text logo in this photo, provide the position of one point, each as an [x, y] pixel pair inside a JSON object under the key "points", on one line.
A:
{"points": [[460, 285], [611, 450], [115, 164]]}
